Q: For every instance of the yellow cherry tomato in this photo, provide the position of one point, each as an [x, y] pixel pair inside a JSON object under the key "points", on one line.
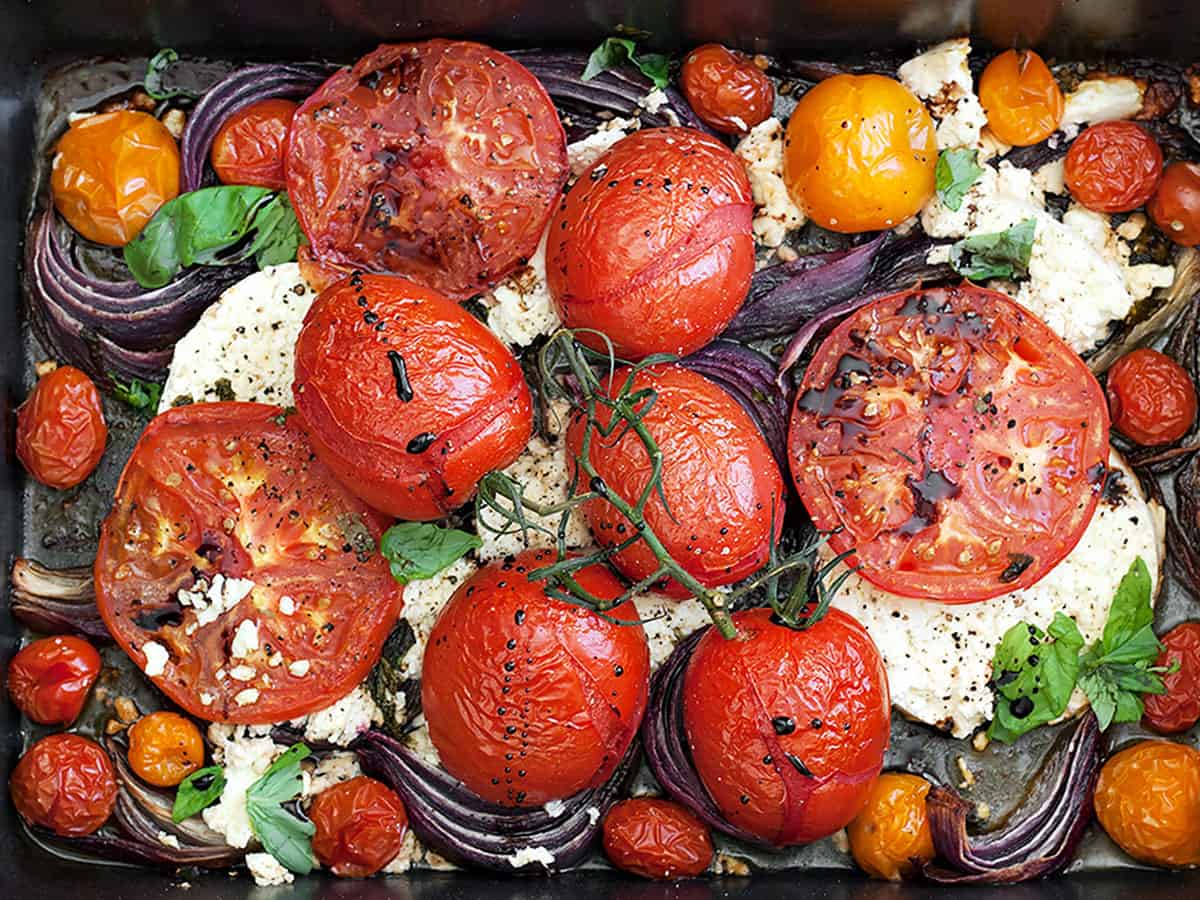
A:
{"points": [[1022, 100], [165, 748], [893, 829]]}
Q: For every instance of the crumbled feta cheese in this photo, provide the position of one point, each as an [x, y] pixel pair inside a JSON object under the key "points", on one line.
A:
{"points": [[520, 308], [528, 855], [299, 668], [334, 768], [654, 101], [1101, 100], [245, 756], [157, 658], [246, 697], [267, 870], [243, 673], [410, 851], [245, 639], [287, 606], [206, 699], [667, 621], [761, 151], [343, 721], [217, 599], [167, 840], [1051, 178], [418, 741], [941, 78], [593, 814], [582, 153], [555, 808]]}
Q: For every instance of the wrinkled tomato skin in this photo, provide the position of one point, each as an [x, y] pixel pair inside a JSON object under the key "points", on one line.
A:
{"points": [[1178, 709], [721, 482], [1113, 167], [893, 829], [1151, 397], [653, 246], [65, 783], [1148, 801], [361, 825], [413, 444], [1175, 207], [235, 490], [165, 748], [248, 148], [952, 440], [1020, 97], [439, 161], [530, 699], [725, 89], [61, 432], [656, 839], [49, 680]]}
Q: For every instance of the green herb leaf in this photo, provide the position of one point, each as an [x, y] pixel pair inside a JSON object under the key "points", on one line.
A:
{"points": [[419, 550], [1131, 611], [139, 394], [283, 835], [614, 52], [153, 84], [1001, 255], [1034, 672], [190, 799], [956, 172]]}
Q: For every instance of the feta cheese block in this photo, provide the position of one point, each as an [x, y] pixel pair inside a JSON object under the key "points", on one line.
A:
{"points": [[761, 151], [1102, 99], [520, 308], [942, 79], [582, 153]]}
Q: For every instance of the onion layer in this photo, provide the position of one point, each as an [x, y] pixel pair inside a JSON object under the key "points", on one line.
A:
{"points": [[56, 601]]}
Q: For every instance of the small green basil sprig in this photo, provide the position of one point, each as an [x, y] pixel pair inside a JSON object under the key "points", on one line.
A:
{"points": [[615, 51]]}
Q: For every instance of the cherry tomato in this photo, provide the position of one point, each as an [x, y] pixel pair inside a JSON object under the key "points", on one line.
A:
{"points": [[65, 783], [722, 486], [1148, 800], [49, 680], [787, 728], [222, 511], [953, 440], [860, 153], [165, 748], [1151, 397], [1020, 97], [61, 431], [407, 397], [528, 698], [111, 172], [439, 161], [656, 839], [248, 149], [1175, 207], [725, 89], [1179, 708], [653, 246], [361, 825], [1113, 167], [893, 830]]}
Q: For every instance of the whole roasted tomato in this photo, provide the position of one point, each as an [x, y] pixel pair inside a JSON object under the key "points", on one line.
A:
{"points": [[652, 246], [1179, 708], [61, 431], [787, 728], [1113, 167], [49, 680], [361, 825], [438, 160], [1022, 100], [65, 783], [407, 397], [656, 839], [860, 153], [528, 698], [1151, 397], [1175, 207], [891, 835], [165, 748], [722, 487], [248, 149], [726, 89]]}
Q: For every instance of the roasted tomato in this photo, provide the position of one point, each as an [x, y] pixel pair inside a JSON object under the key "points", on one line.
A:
{"points": [[530, 699], [61, 431], [726, 89], [112, 172], [65, 783], [248, 149], [433, 400], [952, 440], [891, 835], [439, 161], [49, 680], [860, 153], [1148, 800], [722, 486], [237, 571], [1175, 207], [1151, 397], [1179, 708], [361, 825], [656, 839], [165, 748], [1020, 97], [652, 246], [1113, 167]]}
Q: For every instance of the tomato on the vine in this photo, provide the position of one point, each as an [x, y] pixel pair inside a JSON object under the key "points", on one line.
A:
{"points": [[1151, 397], [1178, 709], [892, 834], [65, 783], [49, 679], [656, 839], [1113, 167], [1175, 207], [61, 432], [726, 89], [361, 825], [248, 148], [1023, 102], [165, 748]]}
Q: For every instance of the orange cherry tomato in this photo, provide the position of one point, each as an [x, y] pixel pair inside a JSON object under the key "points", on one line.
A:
{"points": [[361, 825], [1113, 167], [656, 839], [49, 680], [1020, 97], [61, 431], [1175, 207], [111, 172], [1152, 398], [893, 829], [1148, 800], [860, 153], [65, 783], [726, 89], [165, 748], [1179, 708], [249, 147]]}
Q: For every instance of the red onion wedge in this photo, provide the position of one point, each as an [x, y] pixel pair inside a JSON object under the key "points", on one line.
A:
{"points": [[56, 601]]}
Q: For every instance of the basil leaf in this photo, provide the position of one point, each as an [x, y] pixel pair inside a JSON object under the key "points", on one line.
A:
{"points": [[419, 550], [1033, 675], [190, 799], [1131, 610], [1102, 696], [614, 52], [281, 782], [956, 172], [1001, 255], [283, 835], [138, 394], [156, 69]]}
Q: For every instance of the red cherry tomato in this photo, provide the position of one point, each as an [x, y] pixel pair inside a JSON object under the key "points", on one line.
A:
{"points": [[49, 680], [248, 149], [787, 728], [361, 825], [1179, 708], [1022, 100], [61, 431], [1175, 207], [656, 839], [407, 397], [530, 699], [1152, 398], [652, 246], [65, 783], [725, 89], [1113, 167]]}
